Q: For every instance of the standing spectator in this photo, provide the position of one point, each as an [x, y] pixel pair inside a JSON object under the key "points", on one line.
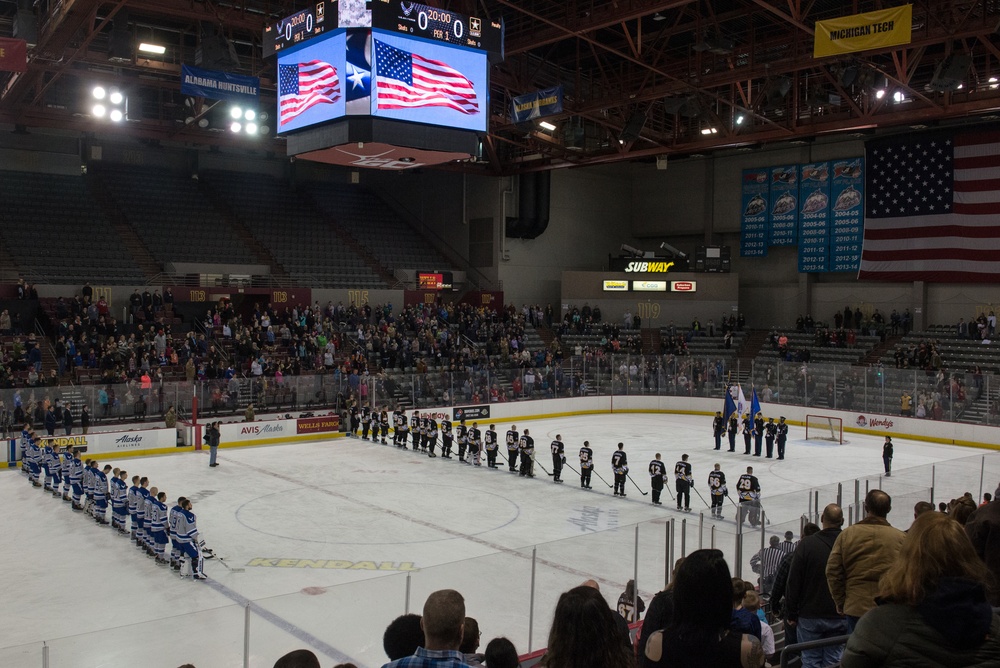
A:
{"points": [[810, 608], [699, 634], [443, 622], [983, 529], [403, 636], [861, 554], [933, 609], [67, 418], [500, 652], [471, 637], [85, 419], [170, 417], [779, 605], [627, 603], [212, 438], [50, 421], [584, 633]]}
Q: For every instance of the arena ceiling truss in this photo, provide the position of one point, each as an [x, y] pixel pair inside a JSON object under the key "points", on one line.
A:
{"points": [[642, 78]]}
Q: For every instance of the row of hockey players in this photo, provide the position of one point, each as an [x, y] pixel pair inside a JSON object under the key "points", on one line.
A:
{"points": [[424, 429], [91, 489], [755, 431]]}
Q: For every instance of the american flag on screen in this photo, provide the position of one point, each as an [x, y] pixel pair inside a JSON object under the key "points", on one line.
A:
{"points": [[305, 85], [404, 80], [933, 208]]}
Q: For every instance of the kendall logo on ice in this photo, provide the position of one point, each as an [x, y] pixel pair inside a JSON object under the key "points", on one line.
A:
{"points": [[260, 429], [128, 441]]}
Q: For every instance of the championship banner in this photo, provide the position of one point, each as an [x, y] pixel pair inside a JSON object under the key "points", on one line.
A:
{"points": [[783, 216], [13, 55], [753, 222], [814, 217], [848, 196], [197, 82], [535, 105], [861, 32]]}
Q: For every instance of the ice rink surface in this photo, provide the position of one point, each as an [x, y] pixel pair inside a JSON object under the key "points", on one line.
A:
{"points": [[328, 541]]}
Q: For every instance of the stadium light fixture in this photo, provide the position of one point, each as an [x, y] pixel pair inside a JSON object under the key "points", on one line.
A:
{"points": [[116, 97], [99, 110], [251, 128], [993, 83], [250, 114], [99, 93], [236, 126], [545, 125], [898, 96], [236, 113], [156, 49], [880, 93], [708, 131], [116, 115], [740, 118]]}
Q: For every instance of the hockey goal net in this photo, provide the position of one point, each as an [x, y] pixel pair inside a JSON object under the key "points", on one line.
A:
{"points": [[824, 428]]}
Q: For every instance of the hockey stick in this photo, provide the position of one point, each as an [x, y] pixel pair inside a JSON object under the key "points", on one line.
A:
{"points": [[700, 496], [636, 485], [766, 518], [228, 567], [535, 461], [594, 471]]}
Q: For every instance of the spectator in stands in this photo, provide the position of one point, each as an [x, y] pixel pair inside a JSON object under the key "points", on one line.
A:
{"points": [[5, 324], [67, 418], [778, 601], [743, 621], [983, 529], [752, 603], [471, 637], [860, 555], [403, 636], [443, 622], [85, 419], [699, 634], [584, 633], [501, 653], [300, 658], [934, 610], [987, 497], [810, 608]]}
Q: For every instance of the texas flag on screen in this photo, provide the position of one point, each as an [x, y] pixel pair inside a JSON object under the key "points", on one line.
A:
{"points": [[304, 85], [404, 80]]}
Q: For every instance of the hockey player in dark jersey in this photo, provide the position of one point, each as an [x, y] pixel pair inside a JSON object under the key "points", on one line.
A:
{"points": [[558, 458], [619, 464], [432, 435], [657, 473], [513, 443], [684, 482], [749, 490], [526, 449], [398, 422], [383, 422], [491, 445], [355, 419], [446, 438], [718, 489], [770, 429], [415, 430], [586, 464], [718, 429], [734, 427], [475, 438], [366, 422], [462, 436], [425, 431]]}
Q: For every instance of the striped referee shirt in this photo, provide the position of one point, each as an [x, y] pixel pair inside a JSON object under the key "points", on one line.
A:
{"points": [[767, 560]]}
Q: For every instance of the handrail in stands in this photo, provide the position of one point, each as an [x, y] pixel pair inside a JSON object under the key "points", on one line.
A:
{"points": [[794, 650]]}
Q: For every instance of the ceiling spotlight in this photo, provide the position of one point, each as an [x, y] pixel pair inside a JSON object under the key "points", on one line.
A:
{"points": [[250, 114], [708, 131], [880, 93], [99, 110], [898, 96], [740, 118], [993, 83], [157, 49], [116, 97], [264, 116], [251, 128], [659, 17], [235, 127], [117, 115], [264, 129], [203, 123], [99, 93], [236, 112], [545, 125]]}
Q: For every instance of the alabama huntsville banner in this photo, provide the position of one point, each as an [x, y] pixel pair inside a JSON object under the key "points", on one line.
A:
{"points": [[932, 211], [197, 82], [860, 32], [814, 217], [782, 219], [536, 105], [753, 223]]}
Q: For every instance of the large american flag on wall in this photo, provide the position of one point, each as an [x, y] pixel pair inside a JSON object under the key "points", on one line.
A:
{"points": [[932, 211]]}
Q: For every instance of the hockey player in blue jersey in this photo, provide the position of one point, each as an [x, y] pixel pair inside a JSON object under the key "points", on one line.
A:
{"points": [[119, 502], [173, 516], [132, 501], [88, 486], [76, 479], [65, 464], [158, 526], [141, 541], [48, 465], [147, 522], [189, 542], [101, 493], [32, 453]]}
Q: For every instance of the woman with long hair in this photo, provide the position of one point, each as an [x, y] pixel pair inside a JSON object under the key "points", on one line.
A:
{"points": [[699, 634], [933, 609], [585, 634]]}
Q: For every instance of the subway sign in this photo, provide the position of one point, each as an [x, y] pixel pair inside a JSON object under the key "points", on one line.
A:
{"points": [[644, 267]]}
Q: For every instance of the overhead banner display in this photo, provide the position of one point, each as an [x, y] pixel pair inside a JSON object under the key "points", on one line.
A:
{"points": [[197, 82], [861, 32], [783, 218], [13, 55], [536, 105], [649, 286], [814, 217], [753, 222], [615, 286], [847, 232]]}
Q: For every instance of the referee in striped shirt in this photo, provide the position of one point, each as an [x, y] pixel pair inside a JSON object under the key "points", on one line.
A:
{"points": [[766, 564]]}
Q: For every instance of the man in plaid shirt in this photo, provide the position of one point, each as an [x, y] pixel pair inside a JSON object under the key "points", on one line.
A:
{"points": [[443, 623]]}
